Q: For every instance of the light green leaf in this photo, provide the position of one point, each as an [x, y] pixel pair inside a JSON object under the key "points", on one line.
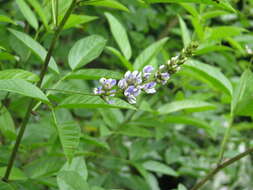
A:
{"points": [[222, 32], [209, 74], [185, 32], [148, 54], [69, 133], [242, 103], [190, 105], [135, 131], [76, 165], [94, 74], [35, 47], [85, 50], [91, 140], [207, 48], [40, 11], [28, 14], [181, 187], [89, 101], [70, 180], [106, 3], [7, 126], [221, 4], [120, 35], [6, 19], [123, 60], [16, 174], [7, 56], [18, 74], [24, 88], [158, 167], [77, 20]]}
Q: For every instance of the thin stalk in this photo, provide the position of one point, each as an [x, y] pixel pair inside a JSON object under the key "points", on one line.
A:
{"points": [[220, 167], [30, 106], [225, 140]]}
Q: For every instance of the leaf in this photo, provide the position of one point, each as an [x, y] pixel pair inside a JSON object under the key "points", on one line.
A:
{"points": [[24, 88], [5, 186], [222, 32], [35, 47], [18, 74], [222, 3], [7, 19], [7, 126], [242, 102], [16, 174], [91, 140], [181, 187], [94, 74], [76, 20], [185, 32], [85, 50], [135, 131], [120, 35], [107, 3], [156, 166], [204, 49], [28, 14], [191, 105], [209, 74], [196, 122], [148, 54], [89, 101], [123, 60], [70, 180], [76, 165], [69, 133], [40, 11]]}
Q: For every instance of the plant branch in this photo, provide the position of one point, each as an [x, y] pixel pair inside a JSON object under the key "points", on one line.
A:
{"points": [[30, 106], [220, 167]]}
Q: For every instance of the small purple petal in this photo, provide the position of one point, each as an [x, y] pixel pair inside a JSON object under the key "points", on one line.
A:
{"points": [[148, 69], [165, 76], [122, 84]]}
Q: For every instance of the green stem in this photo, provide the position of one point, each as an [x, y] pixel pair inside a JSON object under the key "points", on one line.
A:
{"points": [[30, 106], [220, 167], [225, 140]]}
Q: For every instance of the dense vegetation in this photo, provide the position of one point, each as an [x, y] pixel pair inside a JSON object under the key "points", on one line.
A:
{"points": [[126, 94]]}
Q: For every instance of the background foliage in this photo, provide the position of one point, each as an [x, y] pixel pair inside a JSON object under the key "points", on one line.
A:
{"points": [[169, 140]]}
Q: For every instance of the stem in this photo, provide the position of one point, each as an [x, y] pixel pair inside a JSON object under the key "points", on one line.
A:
{"points": [[220, 167], [225, 140], [30, 106]]}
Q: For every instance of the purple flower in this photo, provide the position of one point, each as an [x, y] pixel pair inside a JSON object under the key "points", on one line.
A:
{"points": [[132, 91], [150, 88], [98, 91], [122, 84], [107, 83], [131, 99], [147, 70], [133, 77]]}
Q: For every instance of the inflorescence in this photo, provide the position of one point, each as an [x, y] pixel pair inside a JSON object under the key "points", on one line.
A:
{"points": [[135, 82]]}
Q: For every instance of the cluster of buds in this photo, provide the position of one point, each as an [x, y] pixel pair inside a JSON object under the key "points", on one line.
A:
{"points": [[133, 83]]}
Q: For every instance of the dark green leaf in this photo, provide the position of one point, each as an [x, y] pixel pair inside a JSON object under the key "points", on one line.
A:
{"points": [[18, 74]]}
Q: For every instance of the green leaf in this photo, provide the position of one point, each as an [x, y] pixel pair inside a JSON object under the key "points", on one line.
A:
{"points": [[69, 133], [35, 47], [106, 3], [158, 167], [222, 32], [40, 11], [76, 165], [181, 187], [70, 180], [242, 103], [209, 74], [5, 186], [190, 105], [91, 140], [7, 19], [196, 122], [94, 74], [85, 50], [16, 174], [185, 32], [135, 131], [221, 4], [18, 74], [123, 60], [148, 54], [7, 126], [28, 14], [120, 35], [77, 20], [207, 48], [24, 88], [89, 101]]}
